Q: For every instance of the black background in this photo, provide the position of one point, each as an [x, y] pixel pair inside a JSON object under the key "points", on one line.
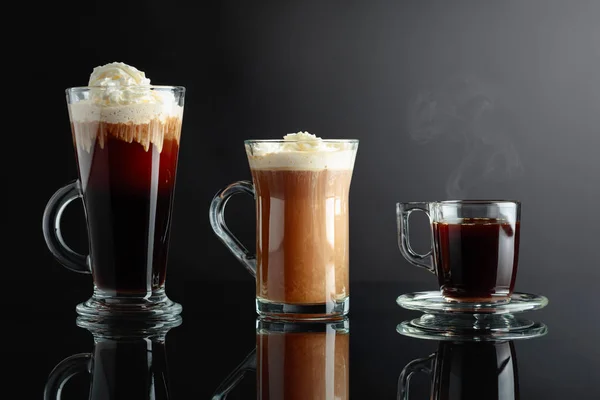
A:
{"points": [[338, 69]]}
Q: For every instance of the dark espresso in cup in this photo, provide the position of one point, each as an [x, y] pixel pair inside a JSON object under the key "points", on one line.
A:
{"points": [[127, 173], [476, 258]]}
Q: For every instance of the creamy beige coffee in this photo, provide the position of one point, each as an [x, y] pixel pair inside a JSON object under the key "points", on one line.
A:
{"points": [[302, 234]]}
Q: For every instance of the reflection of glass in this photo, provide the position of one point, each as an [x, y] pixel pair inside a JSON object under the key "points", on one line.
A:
{"points": [[308, 360], [128, 362], [467, 370]]}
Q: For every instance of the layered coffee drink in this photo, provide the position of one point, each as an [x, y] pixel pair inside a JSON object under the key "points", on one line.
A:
{"points": [[126, 134], [302, 186]]}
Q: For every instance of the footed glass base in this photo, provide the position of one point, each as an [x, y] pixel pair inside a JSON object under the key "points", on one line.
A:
{"points": [[307, 312], [157, 306], [127, 327]]}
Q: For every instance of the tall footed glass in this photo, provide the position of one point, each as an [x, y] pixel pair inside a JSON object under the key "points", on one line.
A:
{"points": [[126, 156], [301, 190]]}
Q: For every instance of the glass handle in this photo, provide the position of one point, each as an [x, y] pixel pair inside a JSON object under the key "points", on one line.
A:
{"points": [[418, 365], [217, 221], [63, 372], [51, 228], [403, 211], [249, 364]]}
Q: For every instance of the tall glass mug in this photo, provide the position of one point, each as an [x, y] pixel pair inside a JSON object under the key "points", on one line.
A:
{"points": [[302, 226], [126, 156], [475, 249]]}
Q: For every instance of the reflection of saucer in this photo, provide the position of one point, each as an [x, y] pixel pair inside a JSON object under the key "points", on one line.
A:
{"points": [[433, 303], [412, 329]]}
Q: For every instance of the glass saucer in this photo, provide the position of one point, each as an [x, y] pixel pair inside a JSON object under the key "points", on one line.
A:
{"points": [[432, 302], [530, 331]]}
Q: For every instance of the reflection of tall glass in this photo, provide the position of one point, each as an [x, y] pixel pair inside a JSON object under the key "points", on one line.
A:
{"points": [[126, 134], [296, 360], [128, 361], [301, 187]]}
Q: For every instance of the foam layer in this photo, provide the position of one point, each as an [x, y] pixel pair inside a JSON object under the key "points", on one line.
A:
{"points": [[301, 151], [143, 113]]}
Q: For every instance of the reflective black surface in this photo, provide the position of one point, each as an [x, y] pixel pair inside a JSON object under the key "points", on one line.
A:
{"points": [[218, 332]]}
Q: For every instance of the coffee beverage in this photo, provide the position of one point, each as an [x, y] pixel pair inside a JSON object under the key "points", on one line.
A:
{"points": [[476, 258], [126, 135], [303, 365], [475, 247], [128, 180], [301, 185], [302, 237], [127, 142]]}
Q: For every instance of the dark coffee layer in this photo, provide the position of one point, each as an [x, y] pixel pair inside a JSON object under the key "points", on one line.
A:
{"points": [[128, 195]]}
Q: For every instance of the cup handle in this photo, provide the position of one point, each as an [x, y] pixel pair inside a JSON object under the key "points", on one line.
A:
{"points": [[217, 221], [403, 211], [235, 376], [52, 233], [63, 371], [418, 365]]}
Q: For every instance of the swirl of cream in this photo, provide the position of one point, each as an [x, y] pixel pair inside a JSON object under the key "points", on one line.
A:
{"points": [[120, 84]]}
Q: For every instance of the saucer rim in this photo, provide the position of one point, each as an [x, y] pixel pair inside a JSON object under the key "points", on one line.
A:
{"points": [[539, 302]]}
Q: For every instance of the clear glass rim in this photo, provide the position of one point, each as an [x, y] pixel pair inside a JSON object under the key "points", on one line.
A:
{"points": [[479, 202], [463, 202], [152, 87], [282, 141]]}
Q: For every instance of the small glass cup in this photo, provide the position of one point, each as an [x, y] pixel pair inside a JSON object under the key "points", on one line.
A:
{"points": [[475, 247]]}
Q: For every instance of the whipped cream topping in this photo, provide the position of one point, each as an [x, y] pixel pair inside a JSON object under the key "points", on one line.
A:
{"points": [[120, 93], [118, 74], [301, 151]]}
